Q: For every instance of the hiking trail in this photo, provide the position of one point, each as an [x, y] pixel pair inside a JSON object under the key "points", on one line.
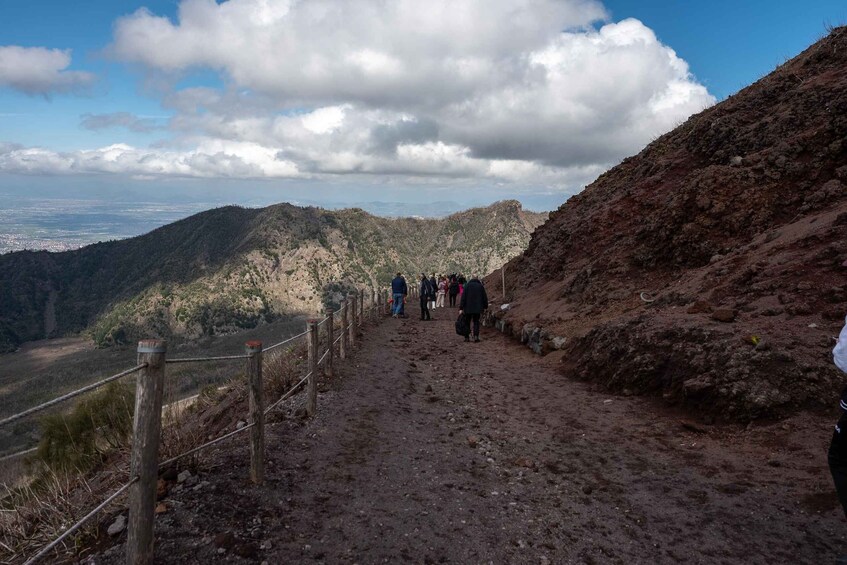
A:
{"points": [[427, 449]]}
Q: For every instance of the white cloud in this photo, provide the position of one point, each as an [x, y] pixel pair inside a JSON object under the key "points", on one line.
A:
{"points": [[525, 92], [211, 159], [38, 70], [366, 52]]}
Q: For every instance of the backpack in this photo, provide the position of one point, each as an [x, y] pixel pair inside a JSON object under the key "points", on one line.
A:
{"points": [[463, 328], [426, 288]]}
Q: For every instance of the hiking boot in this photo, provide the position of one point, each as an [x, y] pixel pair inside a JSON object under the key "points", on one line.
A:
{"points": [[467, 339], [476, 339]]}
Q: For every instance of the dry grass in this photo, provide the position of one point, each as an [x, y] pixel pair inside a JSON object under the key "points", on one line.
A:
{"points": [[33, 515], [282, 369]]}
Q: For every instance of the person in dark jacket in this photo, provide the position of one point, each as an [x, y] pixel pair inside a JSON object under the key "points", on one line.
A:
{"points": [[399, 290], [453, 290], [472, 304], [427, 293], [433, 282]]}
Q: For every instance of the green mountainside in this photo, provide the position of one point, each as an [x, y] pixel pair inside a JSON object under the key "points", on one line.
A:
{"points": [[232, 268]]}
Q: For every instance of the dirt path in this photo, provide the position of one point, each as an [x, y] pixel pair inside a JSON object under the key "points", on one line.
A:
{"points": [[429, 450]]}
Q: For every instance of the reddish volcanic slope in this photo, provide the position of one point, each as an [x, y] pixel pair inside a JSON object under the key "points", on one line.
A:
{"points": [[734, 225]]}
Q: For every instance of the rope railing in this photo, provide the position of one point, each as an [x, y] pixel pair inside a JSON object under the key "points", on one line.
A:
{"points": [[49, 547], [18, 454], [281, 343], [155, 360], [288, 394], [202, 359], [209, 443], [70, 395]]}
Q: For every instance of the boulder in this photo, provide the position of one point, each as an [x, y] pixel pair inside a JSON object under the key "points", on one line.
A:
{"points": [[725, 315]]}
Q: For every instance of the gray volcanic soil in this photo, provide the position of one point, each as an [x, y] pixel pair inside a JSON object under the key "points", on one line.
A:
{"points": [[429, 450]]}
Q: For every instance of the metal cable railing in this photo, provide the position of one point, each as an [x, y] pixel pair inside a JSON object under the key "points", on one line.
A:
{"points": [[70, 395]]}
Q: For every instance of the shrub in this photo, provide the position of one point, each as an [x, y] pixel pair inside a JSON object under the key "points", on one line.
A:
{"points": [[99, 423]]}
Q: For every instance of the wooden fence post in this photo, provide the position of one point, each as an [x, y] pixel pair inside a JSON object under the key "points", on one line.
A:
{"points": [[312, 391], [342, 349], [146, 432], [257, 411], [374, 305], [330, 338], [353, 321]]}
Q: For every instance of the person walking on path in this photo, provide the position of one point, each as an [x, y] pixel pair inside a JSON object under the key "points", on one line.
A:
{"points": [[399, 290], [837, 456], [427, 294], [433, 283], [453, 290], [473, 302], [442, 292]]}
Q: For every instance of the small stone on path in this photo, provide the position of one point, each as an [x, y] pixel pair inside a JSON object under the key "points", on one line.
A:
{"points": [[117, 526]]}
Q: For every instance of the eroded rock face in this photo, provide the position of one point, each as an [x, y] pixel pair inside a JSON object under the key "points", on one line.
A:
{"points": [[668, 273]]}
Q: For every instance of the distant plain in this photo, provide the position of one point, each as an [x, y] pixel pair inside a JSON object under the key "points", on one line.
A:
{"points": [[60, 224]]}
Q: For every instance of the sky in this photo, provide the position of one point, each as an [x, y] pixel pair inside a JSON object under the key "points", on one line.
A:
{"points": [[470, 101]]}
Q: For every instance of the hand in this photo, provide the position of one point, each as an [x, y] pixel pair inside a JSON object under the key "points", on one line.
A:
{"points": [[461, 312]]}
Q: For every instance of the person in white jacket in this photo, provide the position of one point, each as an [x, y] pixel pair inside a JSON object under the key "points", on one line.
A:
{"points": [[837, 455]]}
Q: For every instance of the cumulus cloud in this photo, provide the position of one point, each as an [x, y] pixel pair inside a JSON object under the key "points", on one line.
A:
{"points": [[534, 93], [38, 70], [362, 51], [118, 119]]}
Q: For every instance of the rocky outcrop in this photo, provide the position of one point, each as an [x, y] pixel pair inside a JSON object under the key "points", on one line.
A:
{"points": [[710, 268]]}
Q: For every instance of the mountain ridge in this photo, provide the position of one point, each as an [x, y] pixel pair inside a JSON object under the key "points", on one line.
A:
{"points": [[231, 267]]}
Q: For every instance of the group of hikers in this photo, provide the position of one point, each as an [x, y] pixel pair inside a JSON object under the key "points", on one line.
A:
{"points": [[434, 291], [473, 301]]}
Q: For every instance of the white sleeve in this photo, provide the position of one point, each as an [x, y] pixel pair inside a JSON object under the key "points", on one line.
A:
{"points": [[839, 352]]}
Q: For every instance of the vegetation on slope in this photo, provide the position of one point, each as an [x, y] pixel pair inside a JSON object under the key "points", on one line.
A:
{"points": [[233, 268]]}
